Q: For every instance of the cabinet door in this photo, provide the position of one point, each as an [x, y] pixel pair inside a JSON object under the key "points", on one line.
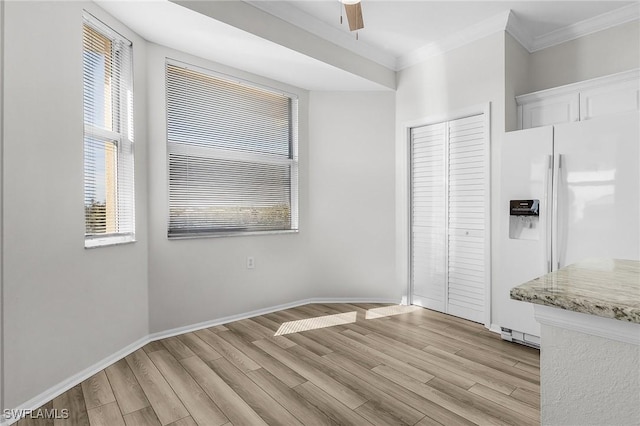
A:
{"points": [[609, 100], [551, 110]]}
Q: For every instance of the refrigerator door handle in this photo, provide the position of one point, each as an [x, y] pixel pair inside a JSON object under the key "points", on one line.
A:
{"points": [[547, 212], [555, 248]]}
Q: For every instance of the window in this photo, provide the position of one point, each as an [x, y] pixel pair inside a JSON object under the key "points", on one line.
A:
{"points": [[232, 153], [108, 136]]}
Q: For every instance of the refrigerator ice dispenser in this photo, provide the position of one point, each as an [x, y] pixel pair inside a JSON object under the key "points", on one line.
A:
{"points": [[524, 219]]}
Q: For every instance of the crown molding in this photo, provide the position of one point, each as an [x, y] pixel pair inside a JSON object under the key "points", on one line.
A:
{"points": [[468, 35], [601, 22], [321, 29], [505, 21], [518, 31]]}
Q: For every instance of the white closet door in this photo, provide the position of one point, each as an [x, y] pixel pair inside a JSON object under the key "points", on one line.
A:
{"points": [[467, 201], [449, 202], [428, 211]]}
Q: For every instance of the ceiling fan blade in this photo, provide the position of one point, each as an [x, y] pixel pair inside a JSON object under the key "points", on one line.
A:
{"points": [[354, 16]]}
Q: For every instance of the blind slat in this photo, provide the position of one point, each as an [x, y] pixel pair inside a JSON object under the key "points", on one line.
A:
{"points": [[108, 133], [232, 156]]}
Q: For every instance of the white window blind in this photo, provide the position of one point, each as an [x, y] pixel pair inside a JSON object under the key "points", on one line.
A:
{"points": [[108, 135], [232, 152]]}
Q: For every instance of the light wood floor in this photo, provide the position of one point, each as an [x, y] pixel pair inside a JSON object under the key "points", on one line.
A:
{"points": [[368, 364]]}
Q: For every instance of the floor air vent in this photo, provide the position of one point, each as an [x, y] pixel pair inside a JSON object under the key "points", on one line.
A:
{"points": [[519, 337]]}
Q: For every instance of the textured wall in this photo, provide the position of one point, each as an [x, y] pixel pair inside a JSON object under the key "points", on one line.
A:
{"points": [[588, 380]]}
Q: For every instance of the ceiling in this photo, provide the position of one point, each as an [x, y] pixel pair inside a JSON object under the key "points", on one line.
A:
{"points": [[396, 34], [396, 28]]}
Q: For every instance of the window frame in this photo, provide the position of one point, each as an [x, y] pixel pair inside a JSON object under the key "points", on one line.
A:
{"points": [[122, 112], [231, 155]]}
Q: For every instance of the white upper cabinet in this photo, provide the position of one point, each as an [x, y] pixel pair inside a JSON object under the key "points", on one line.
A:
{"points": [[610, 99], [614, 94], [548, 110]]}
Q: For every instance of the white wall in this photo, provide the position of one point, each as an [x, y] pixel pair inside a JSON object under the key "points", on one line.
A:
{"points": [[351, 189], [517, 79], [1, 202], [66, 307], [470, 75], [588, 380], [602, 53], [345, 244], [195, 280]]}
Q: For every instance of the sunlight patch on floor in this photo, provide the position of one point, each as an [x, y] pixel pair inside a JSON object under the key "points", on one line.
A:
{"points": [[315, 323], [387, 311]]}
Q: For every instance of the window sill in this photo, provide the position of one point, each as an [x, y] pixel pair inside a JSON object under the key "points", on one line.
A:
{"points": [[229, 234], [112, 240]]}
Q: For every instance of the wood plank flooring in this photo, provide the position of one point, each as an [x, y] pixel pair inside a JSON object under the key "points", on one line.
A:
{"points": [[346, 364]]}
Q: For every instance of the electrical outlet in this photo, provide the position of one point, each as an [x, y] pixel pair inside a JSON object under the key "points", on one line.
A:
{"points": [[251, 262]]}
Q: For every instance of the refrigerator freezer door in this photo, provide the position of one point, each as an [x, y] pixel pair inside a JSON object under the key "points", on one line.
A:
{"points": [[525, 175], [598, 196]]}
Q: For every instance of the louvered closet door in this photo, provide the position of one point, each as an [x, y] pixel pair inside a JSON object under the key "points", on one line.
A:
{"points": [[448, 213], [467, 201], [428, 221]]}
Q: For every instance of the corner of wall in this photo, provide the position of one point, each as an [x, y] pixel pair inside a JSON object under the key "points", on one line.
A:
{"points": [[1, 206], [516, 78]]}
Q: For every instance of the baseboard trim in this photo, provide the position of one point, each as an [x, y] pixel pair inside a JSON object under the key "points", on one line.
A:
{"points": [[78, 378]]}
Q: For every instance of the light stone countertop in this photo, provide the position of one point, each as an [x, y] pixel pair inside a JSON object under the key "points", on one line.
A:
{"points": [[607, 288]]}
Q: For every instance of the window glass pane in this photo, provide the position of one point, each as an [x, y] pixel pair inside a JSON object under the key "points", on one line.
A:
{"points": [[108, 136], [100, 188], [97, 79]]}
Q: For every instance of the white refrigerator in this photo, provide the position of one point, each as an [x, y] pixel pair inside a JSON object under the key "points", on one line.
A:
{"points": [[568, 192]]}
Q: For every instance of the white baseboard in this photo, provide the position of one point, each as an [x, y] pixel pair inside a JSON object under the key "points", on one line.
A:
{"points": [[78, 378]]}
